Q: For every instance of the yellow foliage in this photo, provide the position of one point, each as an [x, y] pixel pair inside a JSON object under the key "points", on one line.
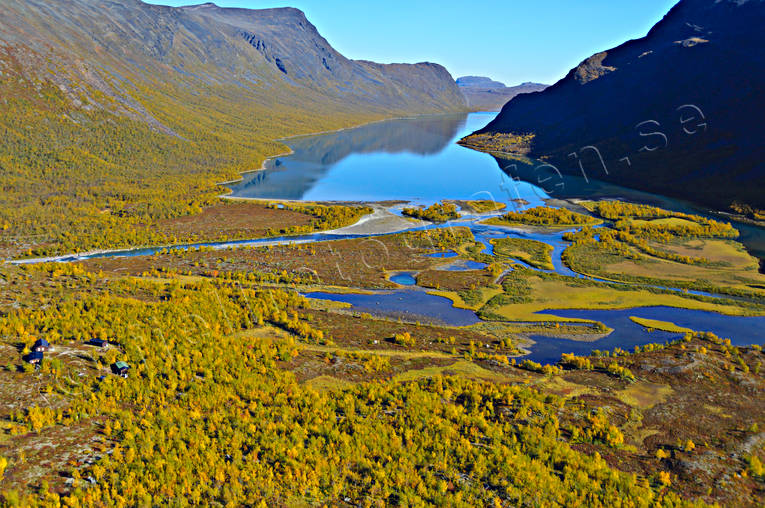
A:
{"points": [[664, 478]]}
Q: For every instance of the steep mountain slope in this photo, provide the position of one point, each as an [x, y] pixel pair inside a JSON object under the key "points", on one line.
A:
{"points": [[286, 39], [103, 44], [676, 112], [117, 114], [485, 94]]}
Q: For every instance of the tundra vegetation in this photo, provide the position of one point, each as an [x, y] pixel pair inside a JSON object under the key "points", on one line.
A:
{"points": [[240, 391], [649, 245], [69, 187], [271, 398], [480, 205]]}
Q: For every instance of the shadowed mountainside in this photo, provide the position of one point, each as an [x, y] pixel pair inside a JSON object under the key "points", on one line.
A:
{"points": [[485, 94], [676, 112]]}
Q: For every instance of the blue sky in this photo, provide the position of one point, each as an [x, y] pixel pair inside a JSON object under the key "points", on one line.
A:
{"points": [[509, 40]]}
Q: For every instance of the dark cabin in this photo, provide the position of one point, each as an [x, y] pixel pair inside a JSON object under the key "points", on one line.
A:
{"points": [[99, 343], [35, 357], [121, 369], [41, 346]]}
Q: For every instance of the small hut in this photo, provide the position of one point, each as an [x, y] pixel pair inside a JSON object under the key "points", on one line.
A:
{"points": [[35, 357], [41, 346], [121, 368], [99, 343]]}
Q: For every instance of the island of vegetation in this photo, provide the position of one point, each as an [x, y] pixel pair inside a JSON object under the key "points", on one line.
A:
{"points": [[499, 142], [655, 324], [546, 216], [480, 205], [532, 252], [749, 214], [437, 212]]}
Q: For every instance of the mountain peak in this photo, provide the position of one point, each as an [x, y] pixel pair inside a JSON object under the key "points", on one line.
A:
{"points": [[212, 8], [480, 81], [204, 48]]}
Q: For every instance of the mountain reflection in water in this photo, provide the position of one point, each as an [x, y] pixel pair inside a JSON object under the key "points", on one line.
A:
{"points": [[413, 159]]}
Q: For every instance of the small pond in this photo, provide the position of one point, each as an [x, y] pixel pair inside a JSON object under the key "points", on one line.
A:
{"points": [[463, 266], [441, 255], [404, 279]]}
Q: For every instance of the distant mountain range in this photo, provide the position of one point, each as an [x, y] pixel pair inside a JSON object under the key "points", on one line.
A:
{"points": [[485, 94], [106, 53], [677, 112]]}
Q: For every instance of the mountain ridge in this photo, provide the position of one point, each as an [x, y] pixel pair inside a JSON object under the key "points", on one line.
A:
{"points": [[213, 46], [485, 94]]}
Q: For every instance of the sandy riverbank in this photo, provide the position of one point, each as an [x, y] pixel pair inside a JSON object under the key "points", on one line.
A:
{"points": [[380, 221]]}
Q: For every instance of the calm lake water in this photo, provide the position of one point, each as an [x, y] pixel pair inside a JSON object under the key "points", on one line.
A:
{"points": [[418, 160], [411, 159], [416, 305]]}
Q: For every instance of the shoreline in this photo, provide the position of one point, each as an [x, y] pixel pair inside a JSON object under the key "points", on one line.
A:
{"points": [[733, 217]]}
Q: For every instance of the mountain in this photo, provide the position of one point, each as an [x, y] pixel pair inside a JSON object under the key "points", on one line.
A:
{"points": [[485, 94], [478, 82], [112, 46], [116, 114], [677, 112]]}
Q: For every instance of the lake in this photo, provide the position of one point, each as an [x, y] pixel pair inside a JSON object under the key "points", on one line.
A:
{"points": [[406, 304], [741, 330], [413, 159]]}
